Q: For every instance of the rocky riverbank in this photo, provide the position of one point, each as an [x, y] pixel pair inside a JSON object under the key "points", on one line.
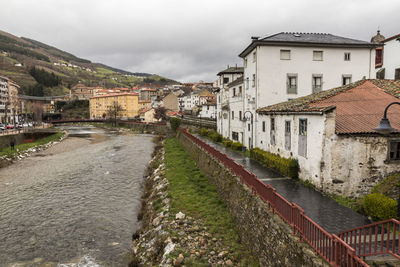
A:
{"points": [[166, 239], [21, 154]]}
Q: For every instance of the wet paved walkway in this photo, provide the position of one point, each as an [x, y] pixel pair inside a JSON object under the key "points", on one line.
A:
{"points": [[326, 212]]}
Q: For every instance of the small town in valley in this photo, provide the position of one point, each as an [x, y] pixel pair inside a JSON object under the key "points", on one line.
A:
{"points": [[275, 142]]}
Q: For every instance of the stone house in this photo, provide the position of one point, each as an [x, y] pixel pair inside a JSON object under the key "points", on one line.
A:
{"points": [[331, 134], [288, 65], [170, 102], [147, 115]]}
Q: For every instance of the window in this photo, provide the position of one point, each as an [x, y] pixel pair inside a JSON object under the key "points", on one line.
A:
{"points": [[291, 83], [240, 91], [245, 62], [208, 107], [263, 126], [233, 115], [285, 54], [254, 56], [240, 115], [394, 151], [346, 79], [254, 80], [318, 55], [272, 131], [235, 136], [316, 82], [287, 135], [226, 80], [247, 83], [248, 127], [347, 56], [397, 74], [234, 92], [378, 57]]}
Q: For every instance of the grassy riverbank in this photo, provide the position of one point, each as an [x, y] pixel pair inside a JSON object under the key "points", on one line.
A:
{"points": [[8, 152], [192, 193]]}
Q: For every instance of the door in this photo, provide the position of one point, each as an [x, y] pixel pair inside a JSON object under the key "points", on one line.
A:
{"points": [[303, 137], [288, 136]]}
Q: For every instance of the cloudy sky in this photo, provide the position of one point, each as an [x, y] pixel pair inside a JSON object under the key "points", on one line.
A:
{"points": [[186, 40]]}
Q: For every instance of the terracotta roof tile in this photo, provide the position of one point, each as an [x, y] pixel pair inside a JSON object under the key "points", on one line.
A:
{"points": [[359, 106], [119, 94]]}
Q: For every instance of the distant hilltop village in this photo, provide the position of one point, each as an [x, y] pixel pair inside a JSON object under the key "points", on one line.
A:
{"points": [[316, 98]]}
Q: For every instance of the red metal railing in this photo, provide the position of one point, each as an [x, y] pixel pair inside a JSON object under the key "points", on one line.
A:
{"points": [[330, 247], [374, 239]]}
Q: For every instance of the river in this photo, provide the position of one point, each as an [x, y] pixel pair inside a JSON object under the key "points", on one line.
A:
{"points": [[76, 203]]}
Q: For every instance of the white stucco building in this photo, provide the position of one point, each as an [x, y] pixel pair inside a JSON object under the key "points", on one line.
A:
{"points": [[208, 110], [224, 78], [285, 66], [331, 134], [388, 58]]}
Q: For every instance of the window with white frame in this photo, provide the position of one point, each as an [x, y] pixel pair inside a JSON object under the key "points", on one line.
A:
{"points": [[346, 79], [254, 56], [291, 83], [235, 136], [316, 82], [247, 82], [240, 91], [263, 126], [285, 54], [318, 55], [347, 56], [254, 80], [245, 62], [240, 115], [233, 115]]}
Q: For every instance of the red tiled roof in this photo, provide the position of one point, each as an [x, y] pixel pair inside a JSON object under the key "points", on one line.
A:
{"points": [[144, 101], [119, 94], [359, 107], [149, 89], [145, 110]]}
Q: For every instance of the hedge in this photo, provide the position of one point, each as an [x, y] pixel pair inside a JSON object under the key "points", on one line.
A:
{"points": [[228, 143], [288, 167], [237, 146], [380, 207]]}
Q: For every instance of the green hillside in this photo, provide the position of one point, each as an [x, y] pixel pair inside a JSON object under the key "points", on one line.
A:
{"points": [[60, 65]]}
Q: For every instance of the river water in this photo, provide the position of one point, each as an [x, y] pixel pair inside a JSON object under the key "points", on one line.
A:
{"points": [[75, 204]]}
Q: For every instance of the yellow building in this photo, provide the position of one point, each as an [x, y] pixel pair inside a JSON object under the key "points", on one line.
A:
{"points": [[101, 105]]}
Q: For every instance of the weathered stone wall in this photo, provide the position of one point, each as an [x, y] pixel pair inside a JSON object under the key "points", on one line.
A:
{"points": [[20, 138], [162, 129], [264, 232], [353, 164]]}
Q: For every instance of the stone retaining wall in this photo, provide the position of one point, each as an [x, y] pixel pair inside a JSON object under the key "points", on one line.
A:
{"points": [[141, 127], [265, 233], [20, 138]]}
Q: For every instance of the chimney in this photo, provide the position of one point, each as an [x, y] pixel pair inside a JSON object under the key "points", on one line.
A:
{"points": [[254, 38]]}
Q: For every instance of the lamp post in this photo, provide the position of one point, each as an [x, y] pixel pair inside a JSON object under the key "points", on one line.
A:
{"points": [[251, 121], [384, 127]]}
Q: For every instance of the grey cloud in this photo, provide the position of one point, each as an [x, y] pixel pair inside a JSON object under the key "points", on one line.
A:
{"points": [[185, 40]]}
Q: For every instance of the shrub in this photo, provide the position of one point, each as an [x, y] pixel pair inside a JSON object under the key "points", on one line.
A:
{"points": [[288, 167], [228, 143], [380, 207], [175, 122], [216, 137], [203, 132], [237, 146]]}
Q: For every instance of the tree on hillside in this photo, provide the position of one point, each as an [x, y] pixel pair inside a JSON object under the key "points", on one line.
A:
{"points": [[114, 111], [160, 113]]}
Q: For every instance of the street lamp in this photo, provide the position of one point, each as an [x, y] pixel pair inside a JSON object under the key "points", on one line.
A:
{"points": [[384, 127], [251, 121]]}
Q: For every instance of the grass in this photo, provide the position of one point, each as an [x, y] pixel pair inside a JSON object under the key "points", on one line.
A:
{"points": [[22, 147], [192, 193]]}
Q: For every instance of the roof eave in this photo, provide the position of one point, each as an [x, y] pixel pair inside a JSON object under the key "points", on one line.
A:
{"points": [[294, 112], [302, 44]]}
